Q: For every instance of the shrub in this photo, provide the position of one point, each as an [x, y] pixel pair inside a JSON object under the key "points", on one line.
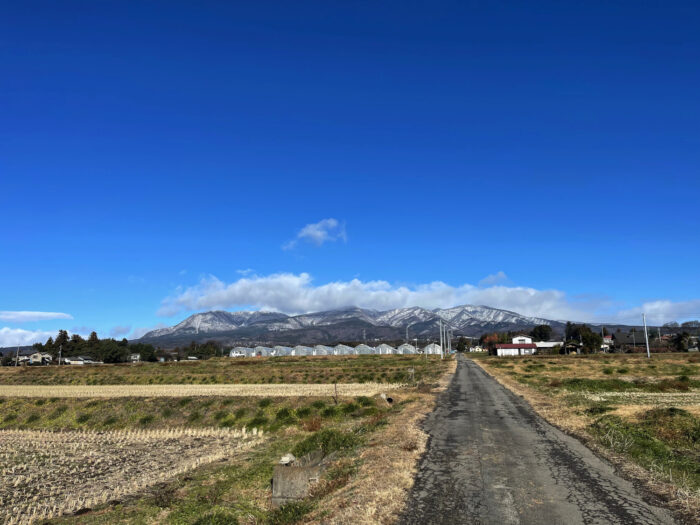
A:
{"points": [[327, 440], [58, 411], [349, 408], [184, 401], [608, 370], [598, 409], [330, 411], [257, 422], [32, 418], [146, 420], [218, 517], [167, 412], [622, 370], [303, 412], [82, 418], [318, 404], [238, 414], [111, 420], [264, 403], [289, 513], [284, 414]]}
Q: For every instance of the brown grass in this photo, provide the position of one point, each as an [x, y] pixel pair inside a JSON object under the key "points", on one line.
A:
{"points": [[378, 493]]}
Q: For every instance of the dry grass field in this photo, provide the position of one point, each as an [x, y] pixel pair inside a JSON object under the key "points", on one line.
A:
{"points": [[46, 474], [260, 370], [180, 457], [642, 413], [276, 390]]}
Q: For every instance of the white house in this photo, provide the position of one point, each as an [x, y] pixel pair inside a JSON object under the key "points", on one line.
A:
{"points": [[40, 358], [515, 349], [522, 339], [476, 349], [135, 358], [548, 345]]}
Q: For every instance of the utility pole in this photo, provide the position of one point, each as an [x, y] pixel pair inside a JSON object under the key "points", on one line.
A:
{"points": [[441, 341], [60, 349], [646, 335], [17, 357]]}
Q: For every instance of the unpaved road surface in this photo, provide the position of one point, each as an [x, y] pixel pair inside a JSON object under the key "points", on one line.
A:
{"points": [[492, 460]]}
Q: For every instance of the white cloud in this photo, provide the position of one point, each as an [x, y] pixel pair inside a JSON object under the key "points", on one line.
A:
{"points": [[28, 316], [19, 337], [660, 312], [325, 230], [295, 293], [118, 331], [492, 279]]}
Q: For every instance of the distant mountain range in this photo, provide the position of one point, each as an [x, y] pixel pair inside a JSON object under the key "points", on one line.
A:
{"points": [[348, 324]]}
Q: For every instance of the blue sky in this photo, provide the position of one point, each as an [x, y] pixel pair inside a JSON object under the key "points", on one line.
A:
{"points": [[162, 158]]}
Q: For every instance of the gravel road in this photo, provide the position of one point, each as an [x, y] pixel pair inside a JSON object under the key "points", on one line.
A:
{"points": [[492, 460]]}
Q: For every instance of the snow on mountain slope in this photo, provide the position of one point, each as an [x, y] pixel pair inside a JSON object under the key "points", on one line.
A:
{"points": [[402, 317], [470, 315], [466, 318]]}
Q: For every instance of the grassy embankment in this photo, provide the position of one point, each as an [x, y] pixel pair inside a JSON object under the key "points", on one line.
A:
{"points": [[646, 411]]}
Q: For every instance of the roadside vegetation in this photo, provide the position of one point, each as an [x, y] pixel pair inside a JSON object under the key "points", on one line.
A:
{"points": [[646, 411], [269, 370]]}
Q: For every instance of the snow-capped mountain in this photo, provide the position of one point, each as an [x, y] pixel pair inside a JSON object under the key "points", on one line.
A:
{"points": [[347, 323]]}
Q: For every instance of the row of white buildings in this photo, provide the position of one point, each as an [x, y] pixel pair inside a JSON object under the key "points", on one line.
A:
{"points": [[363, 349]]}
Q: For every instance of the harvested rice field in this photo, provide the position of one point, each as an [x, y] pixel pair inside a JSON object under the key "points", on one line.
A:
{"points": [[274, 390], [48, 474], [255, 370]]}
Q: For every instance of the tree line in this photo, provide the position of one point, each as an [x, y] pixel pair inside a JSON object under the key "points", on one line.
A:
{"points": [[105, 350]]}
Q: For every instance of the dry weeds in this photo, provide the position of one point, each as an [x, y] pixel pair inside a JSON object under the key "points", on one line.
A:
{"points": [[378, 493]]}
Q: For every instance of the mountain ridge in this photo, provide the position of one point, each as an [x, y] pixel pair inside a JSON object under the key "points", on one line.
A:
{"points": [[350, 323]]}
